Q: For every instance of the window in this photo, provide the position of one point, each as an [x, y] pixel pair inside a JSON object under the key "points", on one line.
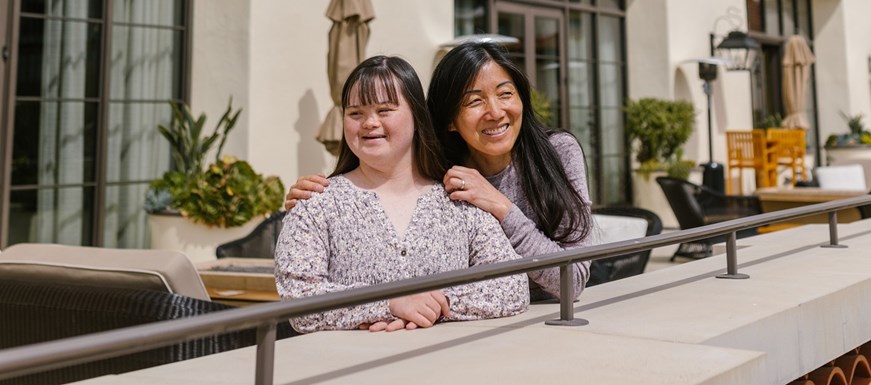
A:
{"points": [[573, 53], [92, 83], [771, 22]]}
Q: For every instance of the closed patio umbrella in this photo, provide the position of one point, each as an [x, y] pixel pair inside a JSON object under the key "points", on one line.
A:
{"points": [[797, 60], [348, 38]]}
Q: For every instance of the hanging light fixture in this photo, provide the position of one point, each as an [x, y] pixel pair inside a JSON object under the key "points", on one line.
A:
{"points": [[739, 49]]}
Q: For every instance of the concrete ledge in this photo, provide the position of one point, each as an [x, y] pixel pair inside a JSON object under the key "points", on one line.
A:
{"points": [[802, 307]]}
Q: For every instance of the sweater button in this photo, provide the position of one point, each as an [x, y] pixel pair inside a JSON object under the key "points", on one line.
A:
{"points": [[403, 252]]}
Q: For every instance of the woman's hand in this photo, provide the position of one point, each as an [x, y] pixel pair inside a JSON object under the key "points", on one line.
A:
{"points": [[397, 324], [467, 184], [303, 189], [422, 309]]}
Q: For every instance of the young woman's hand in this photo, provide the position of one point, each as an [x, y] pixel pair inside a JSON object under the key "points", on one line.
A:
{"points": [[422, 309], [303, 189], [397, 324], [467, 184]]}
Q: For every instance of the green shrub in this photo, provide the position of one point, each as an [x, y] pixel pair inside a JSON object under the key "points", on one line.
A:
{"points": [[227, 193], [657, 130]]}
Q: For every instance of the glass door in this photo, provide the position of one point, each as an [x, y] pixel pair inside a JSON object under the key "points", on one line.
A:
{"points": [[539, 52]]}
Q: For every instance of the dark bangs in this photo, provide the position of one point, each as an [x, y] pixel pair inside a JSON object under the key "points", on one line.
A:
{"points": [[375, 85]]}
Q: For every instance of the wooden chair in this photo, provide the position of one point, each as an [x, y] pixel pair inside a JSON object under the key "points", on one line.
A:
{"points": [[749, 149], [789, 150]]}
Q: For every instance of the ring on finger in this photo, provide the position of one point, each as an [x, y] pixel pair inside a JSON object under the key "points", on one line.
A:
{"points": [[462, 184]]}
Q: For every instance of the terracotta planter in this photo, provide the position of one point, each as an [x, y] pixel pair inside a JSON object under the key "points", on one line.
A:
{"points": [[197, 241]]}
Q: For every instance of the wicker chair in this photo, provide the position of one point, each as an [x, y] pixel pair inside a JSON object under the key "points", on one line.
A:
{"points": [[696, 206], [50, 292]]}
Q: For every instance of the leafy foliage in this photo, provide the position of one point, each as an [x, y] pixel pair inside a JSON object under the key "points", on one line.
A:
{"points": [[858, 134], [228, 193], [658, 129], [187, 146], [542, 107]]}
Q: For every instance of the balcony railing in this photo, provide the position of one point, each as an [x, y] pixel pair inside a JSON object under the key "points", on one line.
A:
{"points": [[70, 351]]}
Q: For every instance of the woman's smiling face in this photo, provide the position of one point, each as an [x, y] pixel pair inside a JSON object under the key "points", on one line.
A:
{"points": [[490, 116], [380, 132]]}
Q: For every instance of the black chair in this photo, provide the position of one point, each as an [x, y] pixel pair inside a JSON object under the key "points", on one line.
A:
{"points": [[695, 206], [626, 265], [259, 244]]}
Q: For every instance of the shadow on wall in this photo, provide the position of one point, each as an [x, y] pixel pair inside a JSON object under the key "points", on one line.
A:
{"points": [[311, 156]]}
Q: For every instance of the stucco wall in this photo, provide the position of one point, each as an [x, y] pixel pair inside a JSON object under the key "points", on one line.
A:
{"points": [[271, 56], [843, 48], [663, 38]]}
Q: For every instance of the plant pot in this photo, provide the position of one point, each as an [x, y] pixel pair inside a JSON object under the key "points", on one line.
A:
{"points": [[197, 241], [854, 154]]}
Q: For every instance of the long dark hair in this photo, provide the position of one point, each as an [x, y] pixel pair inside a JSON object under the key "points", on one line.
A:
{"points": [[542, 175], [393, 75]]}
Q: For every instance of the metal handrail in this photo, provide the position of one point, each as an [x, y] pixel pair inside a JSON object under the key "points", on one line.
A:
{"points": [[70, 351]]}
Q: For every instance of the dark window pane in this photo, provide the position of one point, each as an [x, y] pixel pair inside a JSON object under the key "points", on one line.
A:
{"points": [[583, 123], [58, 59], [65, 8], [547, 37], [610, 42], [470, 17], [150, 12], [613, 138], [125, 223], [54, 143], [136, 150], [55, 215], [613, 180], [511, 24], [612, 4], [146, 63], [804, 18], [581, 88], [772, 17], [610, 85], [788, 17], [580, 39]]}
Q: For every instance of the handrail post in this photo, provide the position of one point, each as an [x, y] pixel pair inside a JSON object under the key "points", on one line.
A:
{"points": [[833, 232], [732, 259], [566, 300], [265, 368]]}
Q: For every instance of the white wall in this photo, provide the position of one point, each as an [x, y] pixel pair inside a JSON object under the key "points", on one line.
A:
{"points": [[220, 66], [842, 46], [271, 56], [663, 37]]}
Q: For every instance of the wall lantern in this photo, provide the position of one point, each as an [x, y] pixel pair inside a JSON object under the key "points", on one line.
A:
{"points": [[737, 48]]}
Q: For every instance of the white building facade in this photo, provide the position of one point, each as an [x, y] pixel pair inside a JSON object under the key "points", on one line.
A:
{"points": [[77, 124]]}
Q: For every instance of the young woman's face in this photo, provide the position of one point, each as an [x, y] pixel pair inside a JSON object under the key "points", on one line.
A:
{"points": [[379, 133], [490, 115]]}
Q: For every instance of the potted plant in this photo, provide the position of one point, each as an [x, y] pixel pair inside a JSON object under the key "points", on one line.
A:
{"points": [[851, 147], [194, 207], [657, 130]]}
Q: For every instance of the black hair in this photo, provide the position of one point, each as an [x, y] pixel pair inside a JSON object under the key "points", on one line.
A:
{"points": [[387, 76], [543, 179]]}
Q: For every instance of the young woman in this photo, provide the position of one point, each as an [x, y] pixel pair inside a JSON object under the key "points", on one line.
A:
{"points": [[532, 178], [386, 217]]}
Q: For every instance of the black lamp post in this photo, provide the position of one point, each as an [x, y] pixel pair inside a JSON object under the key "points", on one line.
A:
{"points": [[738, 53]]}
